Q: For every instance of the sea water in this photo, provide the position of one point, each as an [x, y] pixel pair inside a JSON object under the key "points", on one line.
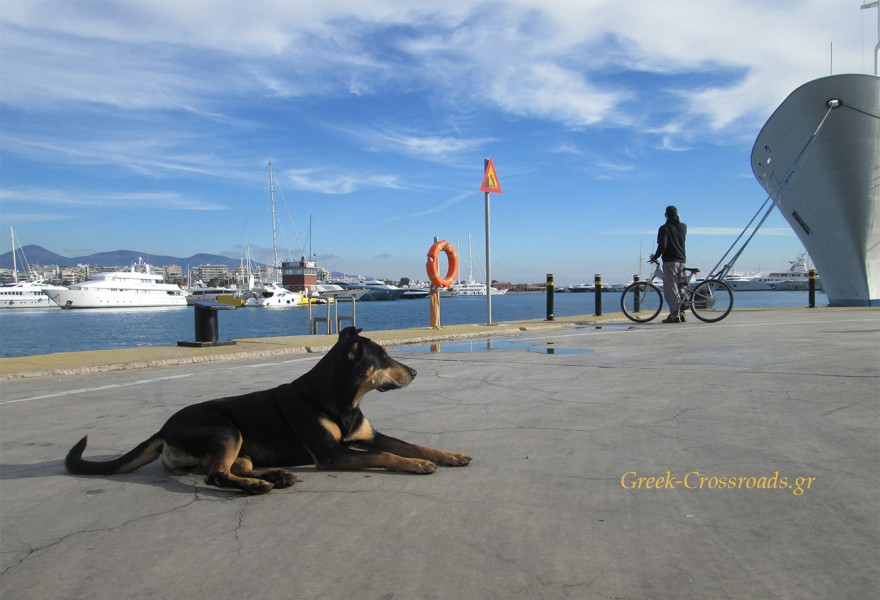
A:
{"points": [[32, 331]]}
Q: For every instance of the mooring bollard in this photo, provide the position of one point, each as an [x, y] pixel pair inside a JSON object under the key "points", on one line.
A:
{"points": [[549, 296], [207, 331], [812, 276], [637, 299], [598, 284]]}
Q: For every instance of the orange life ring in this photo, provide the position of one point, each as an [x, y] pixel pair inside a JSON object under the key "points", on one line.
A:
{"points": [[434, 272]]}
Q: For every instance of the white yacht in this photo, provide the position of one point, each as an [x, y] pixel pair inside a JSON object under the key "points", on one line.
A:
{"points": [[470, 288], [747, 282], [120, 289], [273, 295], [203, 293], [373, 289], [796, 278], [27, 294]]}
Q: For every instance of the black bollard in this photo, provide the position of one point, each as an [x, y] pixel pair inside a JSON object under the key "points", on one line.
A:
{"points": [[550, 296], [812, 276], [207, 330], [637, 300], [598, 283]]}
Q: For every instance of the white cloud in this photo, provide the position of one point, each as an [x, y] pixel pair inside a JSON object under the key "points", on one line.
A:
{"points": [[580, 63]]}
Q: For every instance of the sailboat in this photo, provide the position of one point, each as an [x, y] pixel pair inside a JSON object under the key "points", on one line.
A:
{"points": [[31, 293], [272, 294], [470, 287]]}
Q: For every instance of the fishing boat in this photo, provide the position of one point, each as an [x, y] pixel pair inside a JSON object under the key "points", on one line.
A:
{"points": [[818, 157], [121, 289]]}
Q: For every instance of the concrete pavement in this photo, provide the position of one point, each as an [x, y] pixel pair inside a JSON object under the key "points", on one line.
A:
{"points": [[733, 460]]}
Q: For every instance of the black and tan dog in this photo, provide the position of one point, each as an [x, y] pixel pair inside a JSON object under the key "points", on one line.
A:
{"points": [[316, 419]]}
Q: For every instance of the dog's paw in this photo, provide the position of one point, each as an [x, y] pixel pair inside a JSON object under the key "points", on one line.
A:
{"points": [[421, 467], [286, 479], [257, 486], [455, 459]]}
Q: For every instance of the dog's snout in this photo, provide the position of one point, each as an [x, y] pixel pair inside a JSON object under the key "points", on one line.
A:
{"points": [[412, 372]]}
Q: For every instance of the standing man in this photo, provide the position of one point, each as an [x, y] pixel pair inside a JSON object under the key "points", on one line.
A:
{"points": [[670, 247]]}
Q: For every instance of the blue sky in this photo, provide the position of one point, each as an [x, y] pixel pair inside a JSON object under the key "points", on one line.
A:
{"points": [[148, 126]]}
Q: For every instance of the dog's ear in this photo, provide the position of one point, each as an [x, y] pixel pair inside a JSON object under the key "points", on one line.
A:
{"points": [[355, 352], [348, 332]]}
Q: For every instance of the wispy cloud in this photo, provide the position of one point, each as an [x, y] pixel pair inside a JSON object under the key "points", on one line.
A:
{"points": [[118, 200], [439, 208], [710, 231], [333, 181]]}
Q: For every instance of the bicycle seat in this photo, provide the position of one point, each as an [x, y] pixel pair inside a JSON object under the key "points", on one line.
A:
{"points": [[694, 271]]}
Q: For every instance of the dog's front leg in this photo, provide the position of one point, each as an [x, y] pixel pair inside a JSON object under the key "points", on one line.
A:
{"points": [[346, 459], [386, 443]]}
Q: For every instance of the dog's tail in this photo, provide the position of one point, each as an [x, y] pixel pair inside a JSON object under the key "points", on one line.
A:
{"points": [[145, 452]]}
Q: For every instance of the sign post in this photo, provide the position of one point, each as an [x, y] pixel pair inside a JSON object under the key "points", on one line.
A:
{"points": [[490, 184]]}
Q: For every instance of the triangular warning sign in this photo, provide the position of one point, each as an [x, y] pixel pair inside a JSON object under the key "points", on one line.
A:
{"points": [[490, 179]]}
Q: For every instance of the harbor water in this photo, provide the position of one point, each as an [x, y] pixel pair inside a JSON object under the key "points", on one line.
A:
{"points": [[28, 332]]}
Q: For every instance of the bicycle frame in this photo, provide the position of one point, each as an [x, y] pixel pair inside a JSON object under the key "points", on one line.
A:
{"points": [[709, 300]]}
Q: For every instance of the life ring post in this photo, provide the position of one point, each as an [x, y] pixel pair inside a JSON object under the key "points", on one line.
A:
{"points": [[437, 282], [433, 268]]}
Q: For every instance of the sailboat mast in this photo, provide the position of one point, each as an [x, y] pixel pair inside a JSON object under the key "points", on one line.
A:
{"points": [[274, 237], [14, 268]]}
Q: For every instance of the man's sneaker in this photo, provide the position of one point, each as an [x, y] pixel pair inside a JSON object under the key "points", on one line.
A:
{"points": [[671, 319]]}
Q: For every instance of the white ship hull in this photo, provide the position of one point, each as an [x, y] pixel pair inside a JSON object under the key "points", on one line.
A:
{"points": [[116, 299], [120, 289], [833, 200]]}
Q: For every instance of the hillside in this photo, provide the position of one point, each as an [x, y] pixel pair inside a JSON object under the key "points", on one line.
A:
{"points": [[37, 255]]}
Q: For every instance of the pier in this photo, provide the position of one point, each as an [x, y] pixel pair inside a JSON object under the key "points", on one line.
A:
{"points": [[611, 460]]}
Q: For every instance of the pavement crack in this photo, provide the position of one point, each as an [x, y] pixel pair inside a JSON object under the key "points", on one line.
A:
{"points": [[33, 551]]}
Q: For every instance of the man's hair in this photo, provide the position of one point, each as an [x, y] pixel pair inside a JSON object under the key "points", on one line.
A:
{"points": [[672, 213]]}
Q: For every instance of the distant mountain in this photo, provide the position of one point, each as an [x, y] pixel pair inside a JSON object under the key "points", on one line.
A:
{"points": [[37, 255]]}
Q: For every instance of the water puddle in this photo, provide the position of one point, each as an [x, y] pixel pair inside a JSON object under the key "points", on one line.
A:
{"points": [[486, 345], [548, 348]]}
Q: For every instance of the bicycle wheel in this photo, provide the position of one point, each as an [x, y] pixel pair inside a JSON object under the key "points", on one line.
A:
{"points": [[712, 300], [641, 301]]}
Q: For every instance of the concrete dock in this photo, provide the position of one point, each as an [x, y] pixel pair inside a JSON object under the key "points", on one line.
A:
{"points": [[611, 460]]}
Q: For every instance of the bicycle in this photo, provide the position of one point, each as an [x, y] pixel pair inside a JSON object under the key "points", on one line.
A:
{"points": [[710, 300]]}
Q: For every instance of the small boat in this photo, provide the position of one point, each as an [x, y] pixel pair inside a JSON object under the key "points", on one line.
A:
{"points": [[121, 289], [747, 282], [415, 292], [272, 295]]}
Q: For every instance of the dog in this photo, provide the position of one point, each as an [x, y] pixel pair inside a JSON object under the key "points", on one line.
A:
{"points": [[316, 419]]}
